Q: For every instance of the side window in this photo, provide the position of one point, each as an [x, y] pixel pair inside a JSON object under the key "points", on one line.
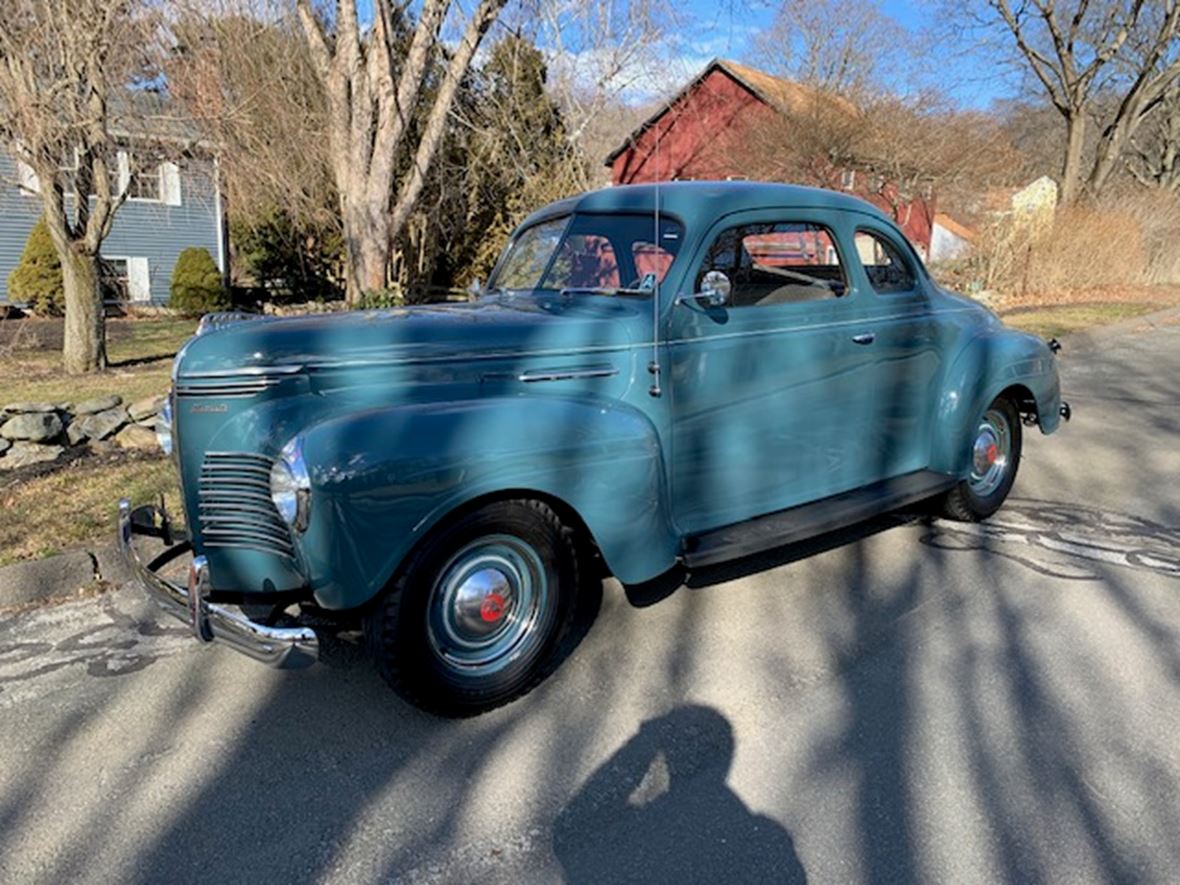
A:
{"points": [[776, 263], [887, 269]]}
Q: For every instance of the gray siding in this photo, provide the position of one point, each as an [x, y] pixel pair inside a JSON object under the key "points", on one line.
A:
{"points": [[155, 231]]}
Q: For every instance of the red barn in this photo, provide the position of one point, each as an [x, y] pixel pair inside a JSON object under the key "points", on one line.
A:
{"points": [[715, 127]]}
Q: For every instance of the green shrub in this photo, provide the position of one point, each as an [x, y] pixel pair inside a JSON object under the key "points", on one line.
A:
{"points": [[36, 280], [382, 298], [196, 284]]}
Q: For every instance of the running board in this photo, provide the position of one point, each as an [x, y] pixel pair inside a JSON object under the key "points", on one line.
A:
{"points": [[808, 520]]}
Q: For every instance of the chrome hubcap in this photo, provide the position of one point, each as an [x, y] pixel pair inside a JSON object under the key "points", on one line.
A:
{"points": [[990, 453], [487, 604]]}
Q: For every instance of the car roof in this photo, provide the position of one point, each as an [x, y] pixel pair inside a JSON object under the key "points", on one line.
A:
{"points": [[702, 201]]}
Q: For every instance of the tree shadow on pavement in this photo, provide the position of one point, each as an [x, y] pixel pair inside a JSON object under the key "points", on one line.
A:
{"points": [[659, 810]]}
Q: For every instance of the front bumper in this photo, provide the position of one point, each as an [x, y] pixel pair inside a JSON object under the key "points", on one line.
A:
{"points": [[286, 648]]}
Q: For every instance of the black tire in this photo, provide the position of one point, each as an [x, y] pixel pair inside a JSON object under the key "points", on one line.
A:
{"points": [[416, 639], [967, 501]]}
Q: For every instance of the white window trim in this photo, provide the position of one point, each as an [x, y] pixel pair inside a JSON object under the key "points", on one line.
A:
{"points": [[125, 181], [132, 263], [28, 185]]}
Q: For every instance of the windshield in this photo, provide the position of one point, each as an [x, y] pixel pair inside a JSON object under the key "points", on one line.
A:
{"points": [[609, 254]]}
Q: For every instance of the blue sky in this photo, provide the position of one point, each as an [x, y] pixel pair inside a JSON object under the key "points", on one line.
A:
{"points": [[726, 29], [708, 29]]}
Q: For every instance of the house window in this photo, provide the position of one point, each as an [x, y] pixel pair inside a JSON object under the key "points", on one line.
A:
{"points": [[143, 178], [125, 279], [114, 280], [848, 179], [67, 169]]}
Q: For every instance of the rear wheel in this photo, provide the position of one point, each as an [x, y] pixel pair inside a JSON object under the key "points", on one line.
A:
{"points": [[995, 457], [475, 616]]}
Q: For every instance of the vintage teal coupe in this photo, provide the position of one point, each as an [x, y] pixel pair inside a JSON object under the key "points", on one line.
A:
{"points": [[652, 377]]}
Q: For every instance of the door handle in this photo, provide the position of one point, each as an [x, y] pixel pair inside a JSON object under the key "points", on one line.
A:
{"points": [[864, 338]]}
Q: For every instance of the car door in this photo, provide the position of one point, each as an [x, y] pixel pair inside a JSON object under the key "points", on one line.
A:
{"points": [[905, 354], [768, 388]]}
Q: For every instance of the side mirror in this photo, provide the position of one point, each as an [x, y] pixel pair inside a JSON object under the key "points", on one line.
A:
{"points": [[715, 289]]}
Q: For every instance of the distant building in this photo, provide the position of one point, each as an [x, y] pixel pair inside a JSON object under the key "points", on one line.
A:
{"points": [[1035, 201], [949, 239], [715, 125], [171, 204]]}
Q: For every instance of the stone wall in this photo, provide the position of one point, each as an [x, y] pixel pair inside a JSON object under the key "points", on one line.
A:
{"points": [[31, 433]]}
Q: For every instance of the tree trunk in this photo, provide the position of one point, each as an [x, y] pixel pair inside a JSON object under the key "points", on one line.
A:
{"points": [[1071, 169], [368, 247], [84, 346], [1110, 150]]}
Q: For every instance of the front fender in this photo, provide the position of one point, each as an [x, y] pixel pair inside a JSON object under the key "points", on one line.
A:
{"points": [[989, 363], [382, 478]]}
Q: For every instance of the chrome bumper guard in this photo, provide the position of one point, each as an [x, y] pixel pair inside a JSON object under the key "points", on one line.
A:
{"points": [[285, 648]]}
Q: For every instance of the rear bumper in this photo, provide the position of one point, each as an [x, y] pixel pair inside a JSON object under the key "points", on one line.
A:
{"points": [[286, 648]]}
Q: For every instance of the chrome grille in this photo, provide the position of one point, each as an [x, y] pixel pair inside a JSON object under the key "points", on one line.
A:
{"points": [[235, 507]]}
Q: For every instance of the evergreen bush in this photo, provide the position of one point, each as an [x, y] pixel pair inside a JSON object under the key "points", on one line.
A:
{"points": [[37, 280], [196, 284]]}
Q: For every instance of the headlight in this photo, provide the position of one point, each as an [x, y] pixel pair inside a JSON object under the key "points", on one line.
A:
{"points": [[164, 426], [290, 486]]}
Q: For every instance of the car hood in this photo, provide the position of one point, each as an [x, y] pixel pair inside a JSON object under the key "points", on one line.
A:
{"points": [[507, 326]]}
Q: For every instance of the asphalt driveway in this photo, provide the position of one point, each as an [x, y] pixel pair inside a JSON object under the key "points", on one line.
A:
{"points": [[909, 700]]}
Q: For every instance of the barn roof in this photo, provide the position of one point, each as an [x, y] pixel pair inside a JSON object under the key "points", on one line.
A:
{"points": [[786, 96], [959, 230]]}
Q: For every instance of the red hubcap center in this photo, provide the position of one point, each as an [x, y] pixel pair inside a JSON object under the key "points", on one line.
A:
{"points": [[492, 607], [993, 452]]}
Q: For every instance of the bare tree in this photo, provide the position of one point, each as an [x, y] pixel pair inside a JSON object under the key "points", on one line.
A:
{"points": [[1085, 51], [374, 85], [600, 56], [242, 73], [1154, 159], [850, 47], [61, 68]]}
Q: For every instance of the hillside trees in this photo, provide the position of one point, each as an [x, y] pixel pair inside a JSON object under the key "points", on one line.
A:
{"points": [[1109, 62]]}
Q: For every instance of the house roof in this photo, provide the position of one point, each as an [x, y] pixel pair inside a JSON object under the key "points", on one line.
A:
{"points": [[959, 230], [786, 96], [147, 115]]}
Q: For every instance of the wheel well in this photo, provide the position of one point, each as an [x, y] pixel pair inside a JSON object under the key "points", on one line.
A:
{"points": [[587, 545], [1026, 404]]}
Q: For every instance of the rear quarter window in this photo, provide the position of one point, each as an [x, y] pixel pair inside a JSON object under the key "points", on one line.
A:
{"points": [[888, 270]]}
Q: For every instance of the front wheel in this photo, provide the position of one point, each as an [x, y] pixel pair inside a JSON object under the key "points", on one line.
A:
{"points": [[476, 615], [995, 457]]}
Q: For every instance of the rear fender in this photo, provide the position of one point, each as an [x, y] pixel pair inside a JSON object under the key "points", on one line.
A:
{"points": [[383, 478], [991, 362]]}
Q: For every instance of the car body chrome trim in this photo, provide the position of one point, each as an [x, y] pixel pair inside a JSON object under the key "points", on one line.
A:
{"points": [[284, 648], [604, 371], [289, 369], [381, 361]]}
